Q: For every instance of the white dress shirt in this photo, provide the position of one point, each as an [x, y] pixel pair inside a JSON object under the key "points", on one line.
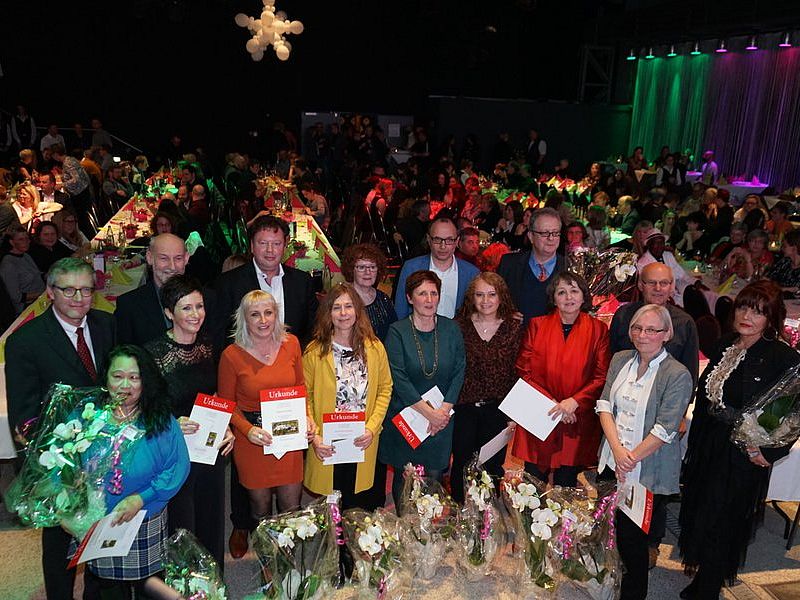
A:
{"points": [[449, 293], [72, 333], [275, 287], [627, 403]]}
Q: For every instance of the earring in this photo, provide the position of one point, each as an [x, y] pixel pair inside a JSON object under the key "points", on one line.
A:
{"points": [[774, 334]]}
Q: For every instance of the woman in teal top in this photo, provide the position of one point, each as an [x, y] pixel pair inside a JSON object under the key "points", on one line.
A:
{"points": [[425, 350]]}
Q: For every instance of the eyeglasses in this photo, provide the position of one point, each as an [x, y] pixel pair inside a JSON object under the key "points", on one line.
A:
{"points": [[70, 292], [639, 330], [548, 234], [444, 241], [662, 283], [366, 268]]}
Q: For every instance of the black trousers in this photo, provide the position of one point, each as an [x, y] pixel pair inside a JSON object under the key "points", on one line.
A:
{"points": [[633, 550], [658, 526], [83, 203], [565, 476], [240, 503], [199, 506], [58, 580], [97, 588], [344, 480], [472, 428]]}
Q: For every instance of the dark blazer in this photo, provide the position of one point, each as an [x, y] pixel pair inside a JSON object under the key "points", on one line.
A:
{"points": [[514, 268], [300, 310], [40, 354], [140, 318]]}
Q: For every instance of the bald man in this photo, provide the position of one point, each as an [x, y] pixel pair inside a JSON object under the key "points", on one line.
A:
{"points": [[139, 315]]}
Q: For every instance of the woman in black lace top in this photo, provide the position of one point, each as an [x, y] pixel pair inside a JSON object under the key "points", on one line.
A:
{"points": [[186, 360]]}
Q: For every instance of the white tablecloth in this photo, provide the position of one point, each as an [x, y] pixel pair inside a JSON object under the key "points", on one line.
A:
{"points": [[739, 190]]}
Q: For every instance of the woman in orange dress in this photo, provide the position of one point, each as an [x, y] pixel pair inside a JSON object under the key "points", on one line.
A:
{"points": [[565, 355], [263, 356]]}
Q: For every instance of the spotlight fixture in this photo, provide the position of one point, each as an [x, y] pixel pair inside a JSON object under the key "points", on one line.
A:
{"points": [[672, 52], [631, 55], [786, 41], [752, 44], [696, 49], [650, 54], [722, 47]]}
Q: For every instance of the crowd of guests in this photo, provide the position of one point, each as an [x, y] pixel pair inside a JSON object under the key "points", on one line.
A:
{"points": [[455, 321]]}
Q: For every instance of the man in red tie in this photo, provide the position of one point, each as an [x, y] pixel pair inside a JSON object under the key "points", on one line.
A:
{"points": [[528, 273], [68, 344]]}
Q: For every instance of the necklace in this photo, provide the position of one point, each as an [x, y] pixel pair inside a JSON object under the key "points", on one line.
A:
{"points": [[491, 325], [126, 416], [421, 354]]}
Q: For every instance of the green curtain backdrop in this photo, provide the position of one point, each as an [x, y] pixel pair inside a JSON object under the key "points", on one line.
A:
{"points": [[669, 106]]}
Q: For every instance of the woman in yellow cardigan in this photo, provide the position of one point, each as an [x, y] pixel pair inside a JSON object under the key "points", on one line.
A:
{"points": [[346, 371]]}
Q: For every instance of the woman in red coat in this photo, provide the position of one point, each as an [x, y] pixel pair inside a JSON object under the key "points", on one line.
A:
{"points": [[565, 355]]}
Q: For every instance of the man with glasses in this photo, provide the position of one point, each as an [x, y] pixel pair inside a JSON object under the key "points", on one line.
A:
{"points": [[68, 343], [454, 272], [528, 273], [657, 284]]}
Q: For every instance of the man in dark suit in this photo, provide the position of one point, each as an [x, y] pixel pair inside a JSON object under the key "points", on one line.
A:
{"points": [[294, 294], [291, 288], [77, 341], [139, 315], [528, 273]]}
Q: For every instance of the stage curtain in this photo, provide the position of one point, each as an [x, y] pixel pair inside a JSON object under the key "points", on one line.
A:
{"points": [[669, 106], [753, 122]]}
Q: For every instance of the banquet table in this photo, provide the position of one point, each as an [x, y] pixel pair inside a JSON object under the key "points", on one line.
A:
{"points": [[104, 299], [740, 189]]}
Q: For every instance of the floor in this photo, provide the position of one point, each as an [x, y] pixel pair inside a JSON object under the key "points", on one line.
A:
{"points": [[771, 573]]}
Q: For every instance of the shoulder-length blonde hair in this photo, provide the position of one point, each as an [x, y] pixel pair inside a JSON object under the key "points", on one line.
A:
{"points": [[31, 190], [323, 329], [240, 334]]}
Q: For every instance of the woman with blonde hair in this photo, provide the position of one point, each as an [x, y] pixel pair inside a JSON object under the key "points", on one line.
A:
{"points": [[26, 203], [263, 356], [346, 371], [70, 236]]}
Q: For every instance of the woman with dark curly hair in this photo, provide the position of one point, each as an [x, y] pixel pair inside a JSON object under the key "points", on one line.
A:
{"points": [[725, 487], [154, 468], [491, 341], [363, 266]]}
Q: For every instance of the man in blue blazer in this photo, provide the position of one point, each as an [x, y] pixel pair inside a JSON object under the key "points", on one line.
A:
{"points": [[454, 272]]}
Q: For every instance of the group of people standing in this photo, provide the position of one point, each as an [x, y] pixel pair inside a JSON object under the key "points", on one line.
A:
{"points": [[621, 394]]}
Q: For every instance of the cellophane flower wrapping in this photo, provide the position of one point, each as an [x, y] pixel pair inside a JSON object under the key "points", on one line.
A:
{"points": [[429, 519], [480, 532], [607, 273], [380, 571], [536, 519], [298, 553], [67, 461], [585, 541], [190, 569], [773, 420]]}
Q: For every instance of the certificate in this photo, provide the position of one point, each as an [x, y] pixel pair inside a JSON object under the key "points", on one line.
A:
{"points": [[104, 540], [494, 445], [412, 425], [213, 415], [636, 501], [283, 414], [529, 407], [340, 429]]}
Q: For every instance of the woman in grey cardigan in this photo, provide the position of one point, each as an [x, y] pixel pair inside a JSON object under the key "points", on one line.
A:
{"points": [[641, 407]]}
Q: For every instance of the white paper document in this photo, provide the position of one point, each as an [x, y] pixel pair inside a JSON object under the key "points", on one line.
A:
{"points": [[283, 414], [529, 407], [340, 431], [495, 445], [412, 425], [636, 501], [104, 540], [213, 414]]}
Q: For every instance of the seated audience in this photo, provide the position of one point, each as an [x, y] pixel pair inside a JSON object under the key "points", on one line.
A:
{"points": [[20, 275]]}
